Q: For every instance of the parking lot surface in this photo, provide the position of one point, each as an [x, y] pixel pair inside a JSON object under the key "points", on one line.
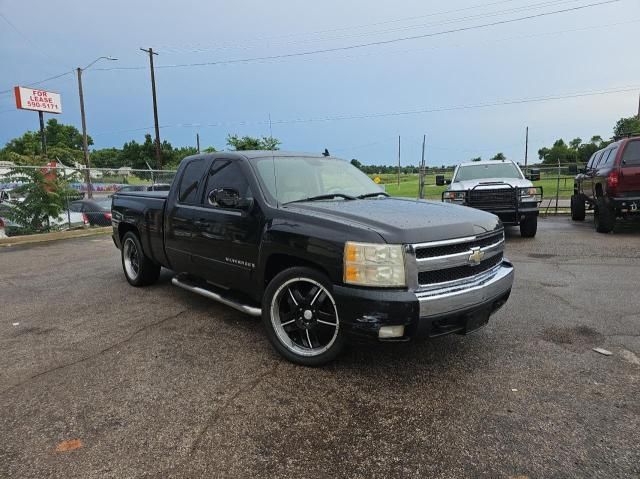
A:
{"points": [[99, 379]]}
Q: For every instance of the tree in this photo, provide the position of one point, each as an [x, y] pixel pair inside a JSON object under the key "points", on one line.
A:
{"points": [[559, 151], [575, 143], [252, 143], [499, 157], [477, 158], [357, 164], [44, 198], [58, 136], [626, 127]]}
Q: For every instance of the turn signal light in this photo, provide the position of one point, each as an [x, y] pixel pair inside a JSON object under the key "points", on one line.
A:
{"points": [[613, 180]]}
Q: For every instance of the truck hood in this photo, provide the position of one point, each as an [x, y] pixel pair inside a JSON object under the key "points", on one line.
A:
{"points": [[400, 220], [468, 184]]}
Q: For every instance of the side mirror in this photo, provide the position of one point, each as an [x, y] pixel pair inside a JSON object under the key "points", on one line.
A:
{"points": [[582, 171], [440, 180], [534, 175], [228, 198]]}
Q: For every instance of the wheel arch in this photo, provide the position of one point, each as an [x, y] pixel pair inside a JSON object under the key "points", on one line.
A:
{"points": [[278, 262]]}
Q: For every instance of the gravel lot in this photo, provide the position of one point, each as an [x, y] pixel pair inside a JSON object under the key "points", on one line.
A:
{"points": [[158, 382]]}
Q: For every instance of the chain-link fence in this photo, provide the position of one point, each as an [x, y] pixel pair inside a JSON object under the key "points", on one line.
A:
{"points": [[36, 199]]}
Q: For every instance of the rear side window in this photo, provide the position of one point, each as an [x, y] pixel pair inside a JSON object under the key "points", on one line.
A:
{"points": [[611, 158], [596, 161], [631, 154], [188, 192], [591, 160]]}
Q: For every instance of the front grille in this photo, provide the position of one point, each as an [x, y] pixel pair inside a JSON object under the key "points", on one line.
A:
{"points": [[458, 272], [432, 252], [483, 198]]}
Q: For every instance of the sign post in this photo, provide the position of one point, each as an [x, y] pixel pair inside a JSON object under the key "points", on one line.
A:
{"points": [[41, 101]]}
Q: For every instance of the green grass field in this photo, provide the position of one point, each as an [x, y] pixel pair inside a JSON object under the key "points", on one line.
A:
{"points": [[409, 186]]}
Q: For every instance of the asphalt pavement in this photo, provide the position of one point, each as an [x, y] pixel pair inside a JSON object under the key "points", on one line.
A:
{"points": [[102, 380]]}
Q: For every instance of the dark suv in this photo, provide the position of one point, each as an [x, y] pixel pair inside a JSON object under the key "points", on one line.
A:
{"points": [[610, 184]]}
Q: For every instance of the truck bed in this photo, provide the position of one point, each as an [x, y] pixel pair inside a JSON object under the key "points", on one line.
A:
{"points": [[162, 195], [143, 210]]}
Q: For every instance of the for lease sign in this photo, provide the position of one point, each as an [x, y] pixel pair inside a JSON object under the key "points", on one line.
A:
{"points": [[38, 100]]}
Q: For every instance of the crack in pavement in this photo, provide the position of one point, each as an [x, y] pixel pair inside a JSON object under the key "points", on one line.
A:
{"points": [[218, 412], [91, 356]]}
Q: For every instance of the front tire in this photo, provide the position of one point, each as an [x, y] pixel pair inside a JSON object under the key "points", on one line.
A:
{"points": [[301, 318], [578, 210], [604, 217], [529, 226], [138, 269]]}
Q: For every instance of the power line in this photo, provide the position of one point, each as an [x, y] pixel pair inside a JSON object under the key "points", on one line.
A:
{"points": [[517, 37], [9, 90], [364, 116], [37, 48], [386, 22], [546, 3], [370, 44]]}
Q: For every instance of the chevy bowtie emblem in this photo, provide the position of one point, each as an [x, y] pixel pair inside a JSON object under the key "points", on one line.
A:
{"points": [[476, 257]]}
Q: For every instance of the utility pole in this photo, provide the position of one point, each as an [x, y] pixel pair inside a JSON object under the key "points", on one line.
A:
{"points": [[422, 169], [526, 150], [155, 106], [85, 145], [638, 106], [43, 135], [198, 142], [398, 160]]}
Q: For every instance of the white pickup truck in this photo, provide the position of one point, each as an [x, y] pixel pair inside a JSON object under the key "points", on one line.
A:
{"points": [[498, 187]]}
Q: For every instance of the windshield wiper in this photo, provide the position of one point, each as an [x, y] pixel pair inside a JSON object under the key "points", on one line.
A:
{"points": [[329, 196], [372, 195]]}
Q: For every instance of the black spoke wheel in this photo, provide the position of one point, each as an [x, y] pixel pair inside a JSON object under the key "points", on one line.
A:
{"points": [[301, 317]]}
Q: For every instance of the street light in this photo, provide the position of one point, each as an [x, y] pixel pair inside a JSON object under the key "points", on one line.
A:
{"points": [[85, 146]]}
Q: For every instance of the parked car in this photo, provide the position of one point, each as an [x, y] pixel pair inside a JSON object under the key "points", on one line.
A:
{"points": [[609, 185], [97, 212], [317, 249], [498, 187], [66, 220]]}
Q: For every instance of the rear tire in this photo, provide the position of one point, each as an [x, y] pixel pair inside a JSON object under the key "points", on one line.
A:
{"points": [[138, 269], [301, 318], [529, 226], [578, 209], [604, 217]]}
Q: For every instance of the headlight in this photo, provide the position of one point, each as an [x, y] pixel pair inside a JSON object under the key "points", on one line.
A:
{"points": [[454, 196], [367, 264], [528, 192]]}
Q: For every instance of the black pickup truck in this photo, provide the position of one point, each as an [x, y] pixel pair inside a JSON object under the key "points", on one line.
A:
{"points": [[315, 248]]}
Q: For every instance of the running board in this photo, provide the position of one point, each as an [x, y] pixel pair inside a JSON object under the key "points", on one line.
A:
{"points": [[244, 308]]}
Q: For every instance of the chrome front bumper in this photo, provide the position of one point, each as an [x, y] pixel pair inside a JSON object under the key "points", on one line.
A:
{"points": [[482, 289]]}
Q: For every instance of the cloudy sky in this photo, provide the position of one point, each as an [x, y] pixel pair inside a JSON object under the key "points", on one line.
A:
{"points": [[350, 76]]}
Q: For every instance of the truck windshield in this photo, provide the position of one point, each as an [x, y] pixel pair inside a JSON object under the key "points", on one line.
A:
{"points": [[486, 171], [288, 179]]}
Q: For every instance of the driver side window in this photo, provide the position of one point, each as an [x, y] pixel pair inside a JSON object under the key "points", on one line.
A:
{"points": [[226, 174]]}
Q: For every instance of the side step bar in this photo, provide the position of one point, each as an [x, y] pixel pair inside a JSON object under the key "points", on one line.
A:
{"points": [[244, 308]]}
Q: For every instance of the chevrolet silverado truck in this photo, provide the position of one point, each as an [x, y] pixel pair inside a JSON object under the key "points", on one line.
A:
{"points": [[315, 248], [609, 185], [499, 187]]}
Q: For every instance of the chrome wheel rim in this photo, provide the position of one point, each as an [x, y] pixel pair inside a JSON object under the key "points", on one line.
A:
{"points": [[131, 258], [304, 317]]}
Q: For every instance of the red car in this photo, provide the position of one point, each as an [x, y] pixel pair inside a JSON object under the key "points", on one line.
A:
{"points": [[610, 185]]}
